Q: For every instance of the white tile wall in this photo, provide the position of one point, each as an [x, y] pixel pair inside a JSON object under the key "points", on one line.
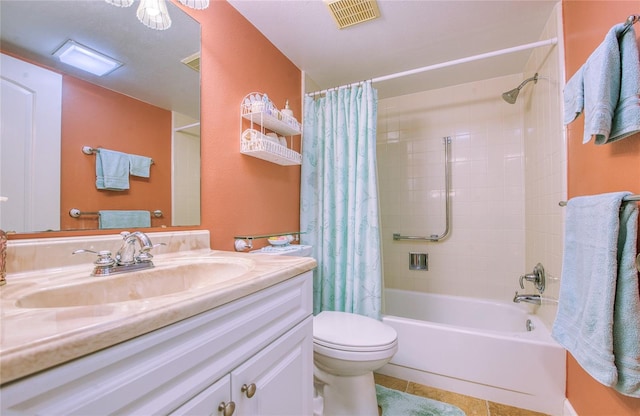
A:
{"points": [[484, 255], [546, 164], [508, 174]]}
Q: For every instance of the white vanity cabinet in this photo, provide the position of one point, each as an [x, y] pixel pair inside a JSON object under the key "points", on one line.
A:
{"points": [[192, 367]]}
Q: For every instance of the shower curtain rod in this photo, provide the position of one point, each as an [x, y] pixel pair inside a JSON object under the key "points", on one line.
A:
{"points": [[538, 44]]}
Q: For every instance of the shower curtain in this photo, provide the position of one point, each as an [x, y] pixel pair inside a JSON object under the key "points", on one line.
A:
{"points": [[339, 200]]}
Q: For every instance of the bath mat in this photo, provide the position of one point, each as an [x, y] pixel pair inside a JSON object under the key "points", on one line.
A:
{"points": [[396, 403]]}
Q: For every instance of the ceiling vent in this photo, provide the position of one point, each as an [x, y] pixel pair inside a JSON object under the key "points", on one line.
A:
{"points": [[351, 12], [193, 61]]}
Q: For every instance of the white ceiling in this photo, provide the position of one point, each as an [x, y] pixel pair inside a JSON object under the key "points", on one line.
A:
{"points": [[408, 35], [152, 71]]}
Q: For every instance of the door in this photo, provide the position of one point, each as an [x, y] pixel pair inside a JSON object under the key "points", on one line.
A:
{"points": [[279, 379], [30, 132], [215, 400]]}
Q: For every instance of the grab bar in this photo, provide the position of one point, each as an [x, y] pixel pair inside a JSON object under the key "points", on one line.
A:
{"points": [[447, 186]]}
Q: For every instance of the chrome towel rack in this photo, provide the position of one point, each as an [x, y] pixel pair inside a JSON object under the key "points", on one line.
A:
{"points": [[628, 198], [88, 150], [631, 20], [75, 213], [447, 189]]}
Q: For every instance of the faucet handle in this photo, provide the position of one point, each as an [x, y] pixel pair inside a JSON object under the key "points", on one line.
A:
{"points": [[537, 278], [145, 254], [104, 256], [530, 277]]}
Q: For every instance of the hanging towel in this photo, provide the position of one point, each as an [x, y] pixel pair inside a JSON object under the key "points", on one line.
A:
{"points": [[123, 219], [606, 88], [596, 280], [112, 170], [626, 119], [140, 165], [626, 323]]}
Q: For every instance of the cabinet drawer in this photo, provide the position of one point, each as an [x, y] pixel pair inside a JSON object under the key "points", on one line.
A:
{"points": [[159, 371]]}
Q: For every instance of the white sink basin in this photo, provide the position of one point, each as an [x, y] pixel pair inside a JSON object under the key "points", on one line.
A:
{"points": [[169, 278]]}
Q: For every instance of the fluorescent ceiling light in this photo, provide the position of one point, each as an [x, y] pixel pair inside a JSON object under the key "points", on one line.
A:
{"points": [[84, 58]]}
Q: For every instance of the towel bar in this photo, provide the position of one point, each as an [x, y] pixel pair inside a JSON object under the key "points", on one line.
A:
{"points": [[88, 150], [629, 198], [631, 20], [75, 213]]}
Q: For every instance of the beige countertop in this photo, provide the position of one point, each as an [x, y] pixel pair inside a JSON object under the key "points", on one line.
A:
{"points": [[34, 339]]}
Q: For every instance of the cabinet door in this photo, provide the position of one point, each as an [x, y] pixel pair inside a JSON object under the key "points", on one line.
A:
{"points": [[214, 400], [279, 378]]}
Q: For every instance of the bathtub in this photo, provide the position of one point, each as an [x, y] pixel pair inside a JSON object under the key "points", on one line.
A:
{"points": [[476, 347]]}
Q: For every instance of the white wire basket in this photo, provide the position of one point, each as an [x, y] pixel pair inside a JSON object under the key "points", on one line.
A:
{"points": [[256, 144], [267, 115]]}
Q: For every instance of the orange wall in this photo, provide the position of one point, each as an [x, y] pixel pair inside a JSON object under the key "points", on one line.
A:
{"points": [[240, 194], [88, 112], [596, 169]]}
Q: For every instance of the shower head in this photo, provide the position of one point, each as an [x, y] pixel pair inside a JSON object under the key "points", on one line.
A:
{"points": [[512, 96]]}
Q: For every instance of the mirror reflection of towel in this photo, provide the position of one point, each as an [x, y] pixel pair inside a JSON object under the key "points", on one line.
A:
{"points": [[123, 219], [140, 165], [112, 170]]}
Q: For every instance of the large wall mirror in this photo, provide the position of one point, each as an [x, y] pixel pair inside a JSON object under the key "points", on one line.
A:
{"points": [[156, 91]]}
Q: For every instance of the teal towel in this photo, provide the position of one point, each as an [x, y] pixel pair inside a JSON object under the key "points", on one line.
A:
{"points": [[397, 403], [626, 119], [626, 318], [598, 279], [112, 170], [140, 165], [123, 219], [606, 88], [595, 89]]}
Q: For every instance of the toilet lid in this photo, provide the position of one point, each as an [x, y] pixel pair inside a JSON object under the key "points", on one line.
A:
{"points": [[350, 331]]}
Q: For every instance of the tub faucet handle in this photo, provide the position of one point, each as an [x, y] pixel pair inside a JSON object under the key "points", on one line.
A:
{"points": [[530, 277], [537, 278]]}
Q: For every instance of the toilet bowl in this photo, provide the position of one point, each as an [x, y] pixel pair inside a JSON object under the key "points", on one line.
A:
{"points": [[347, 349]]}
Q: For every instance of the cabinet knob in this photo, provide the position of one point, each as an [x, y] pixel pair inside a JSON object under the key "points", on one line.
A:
{"points": [[249, 390], [227, 409]]}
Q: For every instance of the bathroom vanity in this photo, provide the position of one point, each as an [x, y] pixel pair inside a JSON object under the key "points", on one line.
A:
{"points": [[242, 346]]}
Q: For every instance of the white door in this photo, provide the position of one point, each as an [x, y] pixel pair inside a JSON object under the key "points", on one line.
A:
{"points": [[30, 120], [186, 171], [279, 378], [214, 400]]}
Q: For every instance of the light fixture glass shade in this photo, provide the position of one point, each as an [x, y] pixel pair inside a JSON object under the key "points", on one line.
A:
{"points": [[154, 14], [120, 3], [195, 4], [86, 59]]}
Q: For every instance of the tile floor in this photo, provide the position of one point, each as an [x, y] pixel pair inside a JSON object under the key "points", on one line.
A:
{"points": [[470, 405]]}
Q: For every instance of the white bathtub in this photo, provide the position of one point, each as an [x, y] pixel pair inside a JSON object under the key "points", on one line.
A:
{"points": [[476, 347]]}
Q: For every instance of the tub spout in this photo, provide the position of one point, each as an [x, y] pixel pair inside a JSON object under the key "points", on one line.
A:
{"points": [[535, 299]]}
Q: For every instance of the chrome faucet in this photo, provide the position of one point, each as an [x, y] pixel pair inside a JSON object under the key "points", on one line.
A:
{"points": [[3, 257], [126, 259], [126, 255], [535, 299]]}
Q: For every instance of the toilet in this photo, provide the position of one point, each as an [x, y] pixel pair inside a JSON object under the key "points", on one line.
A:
{"points": [[347, 349]]}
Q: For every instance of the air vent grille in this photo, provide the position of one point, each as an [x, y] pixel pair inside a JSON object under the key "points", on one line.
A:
{"points": [[351, 12], [193, 61]]}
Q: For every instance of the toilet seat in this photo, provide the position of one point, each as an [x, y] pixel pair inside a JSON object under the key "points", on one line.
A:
{"points": [[352, 333]]}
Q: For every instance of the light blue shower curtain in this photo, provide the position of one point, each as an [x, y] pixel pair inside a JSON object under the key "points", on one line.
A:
{"points": [[339, 200]]}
